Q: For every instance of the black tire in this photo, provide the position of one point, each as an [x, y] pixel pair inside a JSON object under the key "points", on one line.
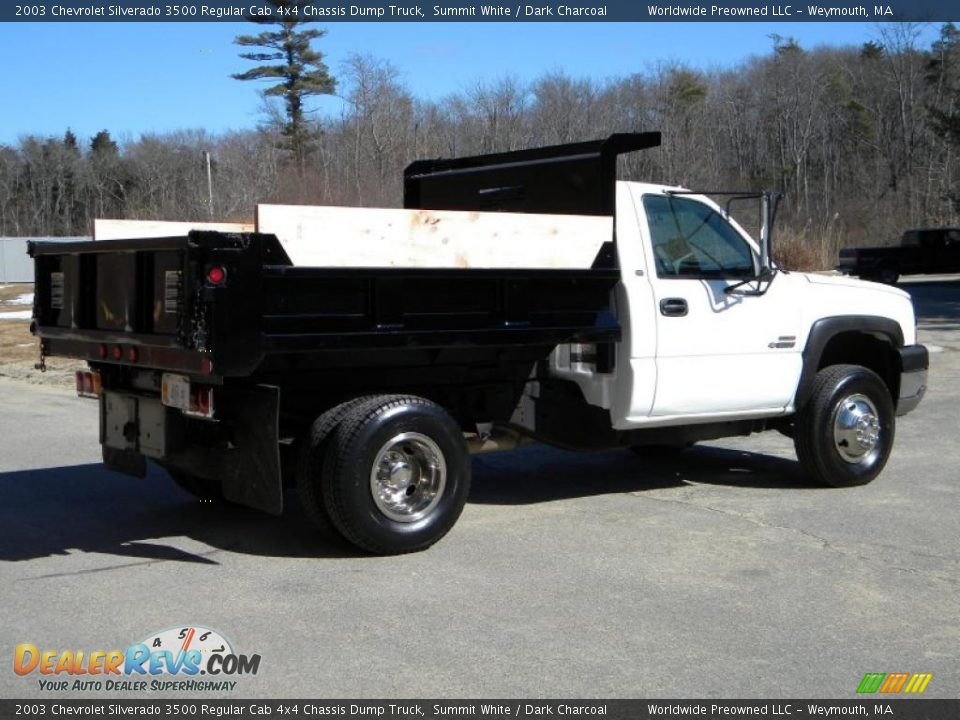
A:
{"points": [[660, 452], [204, 489], [822, 442], [414, 431], [309, 471], [888, 274]]}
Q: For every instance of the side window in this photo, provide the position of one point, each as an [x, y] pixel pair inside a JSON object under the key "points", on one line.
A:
{"points": [[953, 238], [691, 239]]}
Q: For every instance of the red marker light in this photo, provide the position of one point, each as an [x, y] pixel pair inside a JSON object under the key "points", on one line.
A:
{"points": [[88, 384], [132, 354], [206, 366], [102, 351], [117, 352], [216, 275]]}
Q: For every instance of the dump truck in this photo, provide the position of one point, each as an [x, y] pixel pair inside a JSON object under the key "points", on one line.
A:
{"points": [[361, 356]]}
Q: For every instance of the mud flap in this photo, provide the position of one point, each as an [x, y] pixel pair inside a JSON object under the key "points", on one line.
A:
{"points": [[252, 475], [128, 462]]}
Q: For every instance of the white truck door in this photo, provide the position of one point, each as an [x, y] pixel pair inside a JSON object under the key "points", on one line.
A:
{"points": [[716, 352]]}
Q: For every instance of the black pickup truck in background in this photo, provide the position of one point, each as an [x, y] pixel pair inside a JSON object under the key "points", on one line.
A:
{"points": [[921, 251]]}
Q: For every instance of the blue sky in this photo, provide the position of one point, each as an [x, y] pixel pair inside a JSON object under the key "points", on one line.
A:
{"points": [[133, 78]]}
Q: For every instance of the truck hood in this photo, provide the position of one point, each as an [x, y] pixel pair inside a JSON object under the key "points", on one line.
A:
{"points": [[845, 281], [832, 295]]}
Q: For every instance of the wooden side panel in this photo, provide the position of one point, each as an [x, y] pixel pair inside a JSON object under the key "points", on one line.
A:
{"points": [[365, 237], [104, 229]]}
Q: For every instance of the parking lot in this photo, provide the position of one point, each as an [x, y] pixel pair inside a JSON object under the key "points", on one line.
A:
{"points": [[723, 573]]}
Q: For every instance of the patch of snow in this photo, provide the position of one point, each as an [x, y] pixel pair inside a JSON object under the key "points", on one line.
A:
{"points": [[17, 315], [25, 299]]}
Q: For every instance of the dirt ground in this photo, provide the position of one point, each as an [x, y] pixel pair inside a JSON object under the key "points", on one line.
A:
{"points": [[19, 350]]}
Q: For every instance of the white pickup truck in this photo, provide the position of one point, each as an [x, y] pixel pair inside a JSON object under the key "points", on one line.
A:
{"points": [[362, 355]]}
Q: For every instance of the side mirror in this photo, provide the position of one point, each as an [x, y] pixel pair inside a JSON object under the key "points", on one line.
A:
{"points": [[770, 200]]}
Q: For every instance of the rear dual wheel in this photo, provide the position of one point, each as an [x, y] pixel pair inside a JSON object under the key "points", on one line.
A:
{"points": [[310, 461], [391, 473]]}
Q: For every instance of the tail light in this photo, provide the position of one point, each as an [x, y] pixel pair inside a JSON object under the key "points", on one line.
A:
{"points": [[201, 401], [216, 274], [88, 384]]}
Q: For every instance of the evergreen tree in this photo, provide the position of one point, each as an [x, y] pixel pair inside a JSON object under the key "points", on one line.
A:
{"points": [[70, 142], [108, 182], [103, 145], [298, 69]]}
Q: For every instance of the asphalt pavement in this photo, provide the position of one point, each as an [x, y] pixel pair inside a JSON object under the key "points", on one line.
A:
{"points": [[721, 574]]}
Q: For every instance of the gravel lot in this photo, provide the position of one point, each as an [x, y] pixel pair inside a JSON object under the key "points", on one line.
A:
{"points": [[721, 574]]}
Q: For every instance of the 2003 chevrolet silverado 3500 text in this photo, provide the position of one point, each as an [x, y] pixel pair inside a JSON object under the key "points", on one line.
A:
{"points": [[362, 355]]}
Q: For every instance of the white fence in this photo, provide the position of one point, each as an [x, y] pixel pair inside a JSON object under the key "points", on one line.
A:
{"points": [[15, 265]]}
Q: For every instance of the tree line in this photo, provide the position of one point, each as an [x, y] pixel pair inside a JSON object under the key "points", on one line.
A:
{"points": [[864, 142]]}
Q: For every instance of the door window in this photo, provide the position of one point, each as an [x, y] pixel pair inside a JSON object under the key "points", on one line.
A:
{"points": [[693, 240]]}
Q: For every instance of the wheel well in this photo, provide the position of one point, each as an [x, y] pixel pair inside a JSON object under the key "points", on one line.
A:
{"points": [[860, 348]]}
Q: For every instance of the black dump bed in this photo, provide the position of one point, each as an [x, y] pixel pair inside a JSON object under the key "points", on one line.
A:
{"points": [[154, 296], [151, 302]]}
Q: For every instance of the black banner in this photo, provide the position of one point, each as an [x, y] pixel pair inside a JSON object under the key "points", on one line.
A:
{"points": [[477, 10], [872, 707]]}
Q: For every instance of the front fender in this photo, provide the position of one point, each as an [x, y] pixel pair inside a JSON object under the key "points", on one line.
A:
{"points": [[825, 329]]}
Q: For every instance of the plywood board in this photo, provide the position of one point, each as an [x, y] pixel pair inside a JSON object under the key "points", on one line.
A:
{"points": [[104, 229], [323, 236]]}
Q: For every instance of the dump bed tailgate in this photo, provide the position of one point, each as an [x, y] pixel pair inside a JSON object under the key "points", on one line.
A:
{"points": [[137, 302]]}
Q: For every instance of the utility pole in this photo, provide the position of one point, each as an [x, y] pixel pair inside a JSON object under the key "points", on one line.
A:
{"points": [[206, 154]]}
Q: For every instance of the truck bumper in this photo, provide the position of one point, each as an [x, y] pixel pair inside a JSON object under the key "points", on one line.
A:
{"points": [[914, 363]]}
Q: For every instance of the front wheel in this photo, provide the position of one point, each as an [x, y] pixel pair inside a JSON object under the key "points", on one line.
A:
{"points": [[396, 474], [844, 433]]}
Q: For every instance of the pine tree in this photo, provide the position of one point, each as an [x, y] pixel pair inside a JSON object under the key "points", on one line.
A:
{"points": [[70, 142], [103, 145], [298, 68]]}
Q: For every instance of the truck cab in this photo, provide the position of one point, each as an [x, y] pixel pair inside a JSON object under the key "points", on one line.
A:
{"points": [[699, 345]]}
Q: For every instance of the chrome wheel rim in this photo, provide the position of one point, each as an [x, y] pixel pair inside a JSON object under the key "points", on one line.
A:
{"points": [[408, 477], [856, 430]]}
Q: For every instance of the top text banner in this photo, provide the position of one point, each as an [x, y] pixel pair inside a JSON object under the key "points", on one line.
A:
{"points": [[327, 11]]}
